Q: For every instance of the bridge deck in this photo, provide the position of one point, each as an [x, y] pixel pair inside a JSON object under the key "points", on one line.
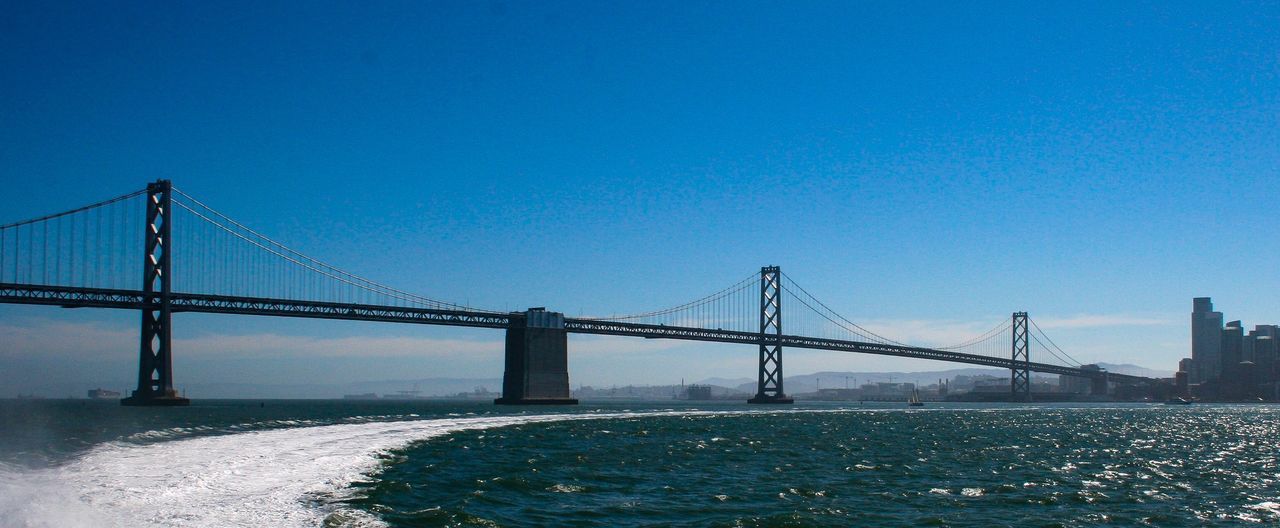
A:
{"points": [[73, 297], [188, 302]]}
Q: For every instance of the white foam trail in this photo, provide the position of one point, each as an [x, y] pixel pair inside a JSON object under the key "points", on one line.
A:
{"points": [[279, 477]]}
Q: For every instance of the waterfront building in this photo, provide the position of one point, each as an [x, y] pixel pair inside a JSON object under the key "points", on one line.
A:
{"points": [[1206, 341], [1250, 346], [1185, 365], [1073, 384], [838, 394], [1182, 378], [698, 392], [884, 390], [1238, 382], [1266, 357]]}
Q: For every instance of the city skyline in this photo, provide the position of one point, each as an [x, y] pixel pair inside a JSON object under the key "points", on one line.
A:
{"points": [[626, 168], [1226, 363]]}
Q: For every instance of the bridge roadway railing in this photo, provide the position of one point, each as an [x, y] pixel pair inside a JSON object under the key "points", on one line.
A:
{"points": [[72, 297], [76, 297], [183, 302]]}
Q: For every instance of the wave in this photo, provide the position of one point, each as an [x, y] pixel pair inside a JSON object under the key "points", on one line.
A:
{"points": [[296, 476]]}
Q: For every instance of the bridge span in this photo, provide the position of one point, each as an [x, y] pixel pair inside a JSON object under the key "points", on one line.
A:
{"points": [[82, 258]]}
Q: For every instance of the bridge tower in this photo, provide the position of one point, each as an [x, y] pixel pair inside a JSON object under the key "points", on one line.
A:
{"points": [[155, 362], [537, 360], [1020, 382], [769, 384]]}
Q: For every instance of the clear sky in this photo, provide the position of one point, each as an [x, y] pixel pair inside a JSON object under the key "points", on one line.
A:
{"points": [[926, 168]]}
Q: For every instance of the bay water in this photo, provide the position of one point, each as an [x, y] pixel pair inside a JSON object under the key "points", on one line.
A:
{"points": [[660, 463]]}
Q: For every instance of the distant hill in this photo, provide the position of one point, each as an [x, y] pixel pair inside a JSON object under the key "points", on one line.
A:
{"points": [[727, 382]]}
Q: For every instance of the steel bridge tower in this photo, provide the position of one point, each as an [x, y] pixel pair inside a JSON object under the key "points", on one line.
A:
{"points": [[769, 381], [1020, 379], [155, 363]]}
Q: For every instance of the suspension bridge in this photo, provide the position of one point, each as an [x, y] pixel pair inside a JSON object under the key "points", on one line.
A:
{"points": [[191, 258]]}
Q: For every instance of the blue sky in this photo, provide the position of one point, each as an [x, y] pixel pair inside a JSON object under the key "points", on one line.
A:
{"points": [[923, 165]]}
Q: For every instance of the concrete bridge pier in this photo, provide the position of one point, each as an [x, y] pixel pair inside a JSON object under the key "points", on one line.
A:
{"points": [[537, 362], [1099, 385]]}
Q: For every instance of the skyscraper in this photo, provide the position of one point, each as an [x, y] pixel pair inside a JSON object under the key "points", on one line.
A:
{"points": [[1232, 343], [1206, 340], [1259, 347], [1249, 347]]}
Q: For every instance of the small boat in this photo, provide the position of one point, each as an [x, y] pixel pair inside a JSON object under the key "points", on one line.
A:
{"points": [[1177, 401], [915, 399]]}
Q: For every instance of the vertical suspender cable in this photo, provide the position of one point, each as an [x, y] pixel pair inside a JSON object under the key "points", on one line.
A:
{"points": [[31, 251], [113, 213], [84, 241], [108, 258], [97, 243], [243, 270], [71, 252], [206, 253], [238, 283], [229, 271], [207, 265], [125, 266], [44, 253], [207, 256], [57, 251]]}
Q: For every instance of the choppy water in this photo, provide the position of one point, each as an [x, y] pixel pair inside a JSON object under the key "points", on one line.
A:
{"points": [[471, 464]]}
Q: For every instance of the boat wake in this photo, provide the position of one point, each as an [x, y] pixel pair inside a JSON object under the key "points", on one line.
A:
{"points": [[280, 477]]}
